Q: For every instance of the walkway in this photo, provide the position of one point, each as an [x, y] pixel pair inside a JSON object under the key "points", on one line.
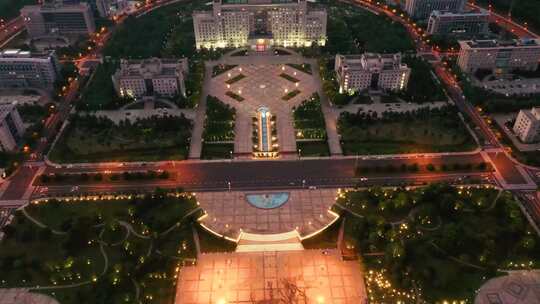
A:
{"points": [[330, 119], [23, 296], [195, 147], [520, 287]]}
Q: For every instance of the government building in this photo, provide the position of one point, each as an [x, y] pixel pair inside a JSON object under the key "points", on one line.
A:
{"points": [[371, 72], [527, 125], [465, 24], [499, 56], [421, 9], [11, 127], [22, 69], [151, 77], [58, 19], [259, 24]]}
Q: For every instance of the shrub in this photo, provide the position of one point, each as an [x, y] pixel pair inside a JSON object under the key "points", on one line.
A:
{"points": [[430, 167]]}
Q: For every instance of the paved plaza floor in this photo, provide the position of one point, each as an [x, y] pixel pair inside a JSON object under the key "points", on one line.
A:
{"points": [[23, 296], [230, 212], [263, 86], [309, 276], [516, 288]]}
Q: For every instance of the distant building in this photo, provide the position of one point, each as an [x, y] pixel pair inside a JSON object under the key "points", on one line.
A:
{"points": [[371, 71], [108, 8], [58, 19], [22, 69], [527, 125], [150, 77], [465, 24], [421, 9], [259, 24], [499, 56], [11, 127]]}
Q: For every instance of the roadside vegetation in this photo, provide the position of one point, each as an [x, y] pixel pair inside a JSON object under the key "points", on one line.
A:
{"points": [[310, 128], [10, 9], [218, 135], [438, 242], [423, 130], [95, 139], [522, 11], [124, 250]]}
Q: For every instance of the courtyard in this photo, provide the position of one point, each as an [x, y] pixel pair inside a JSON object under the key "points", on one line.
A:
{"points": [[257, 80]]}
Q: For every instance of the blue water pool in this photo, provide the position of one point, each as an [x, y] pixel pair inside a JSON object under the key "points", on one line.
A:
{"points": [[268, 200]]}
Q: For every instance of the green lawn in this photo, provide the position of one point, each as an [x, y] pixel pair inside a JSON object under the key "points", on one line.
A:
{"points": [[289, 77], [30, 255], [290, 95], [235, 78], [88, 139], [304, 67], [313, 148], [309, 124], [352, 30], [424, 131], [448, 240], [216, 151], [220, 119]]}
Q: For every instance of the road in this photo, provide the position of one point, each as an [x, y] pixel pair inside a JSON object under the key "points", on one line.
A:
{"points": [[10, 29]]}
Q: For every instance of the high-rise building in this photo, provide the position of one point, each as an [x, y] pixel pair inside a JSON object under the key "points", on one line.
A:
{"points": [[22, 69], [151, 77], [59, 19], [259, 24], [11, 127], [421, 9], [371, 71], [465, 24], [499, 56], [527, 125]]}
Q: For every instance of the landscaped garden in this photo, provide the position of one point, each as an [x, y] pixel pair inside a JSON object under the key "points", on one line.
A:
{"points": [[235, 78], [93, 139], [291, 95], [304, 67], [289, 77], [437, 243], [218, 136], [11, 8], [222, 68], [424, 130], [310, 129], [125, 249], [234, 96]]}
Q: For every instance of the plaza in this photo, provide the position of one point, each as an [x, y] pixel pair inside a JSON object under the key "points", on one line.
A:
{"points": [[306, 277], [264, 84]]}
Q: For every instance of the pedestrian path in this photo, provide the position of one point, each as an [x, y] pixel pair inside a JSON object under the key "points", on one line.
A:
{"points": [[24, 296]]}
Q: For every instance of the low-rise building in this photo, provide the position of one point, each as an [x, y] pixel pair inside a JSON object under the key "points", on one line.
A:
{"points": [[371, 71], [465, 24], [259, 24], [11, 127], [499, 56], [108, 8], [151, 77], [421, 9], [58, 19], [22, 69], [527, 125]]}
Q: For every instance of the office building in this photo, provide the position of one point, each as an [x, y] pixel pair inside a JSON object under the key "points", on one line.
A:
{"points": [[465, 24], [151, 77], [58, 19], [11, 127], [499, 56], [421, 9], [259, 24], [22, 69], [371, 71], [527, 125]]}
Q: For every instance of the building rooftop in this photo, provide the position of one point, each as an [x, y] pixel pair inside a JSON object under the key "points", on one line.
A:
{"points": [[467, 13], [5, 109], [372, 61], [17, 53], [499, 43], [256, 2]]}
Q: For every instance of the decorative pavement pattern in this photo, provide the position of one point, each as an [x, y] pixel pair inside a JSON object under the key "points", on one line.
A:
{"points": [[517, 288], [23, 296], [303, 277], [230, 212]]}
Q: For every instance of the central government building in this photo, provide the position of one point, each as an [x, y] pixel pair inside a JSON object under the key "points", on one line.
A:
{"points": [[259, 24]]}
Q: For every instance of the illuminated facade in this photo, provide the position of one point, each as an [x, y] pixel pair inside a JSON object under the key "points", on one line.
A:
{"points": [[499, 56], [259, 24], [527, 126], [466, 24], [371, 71], [151, 77]]}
